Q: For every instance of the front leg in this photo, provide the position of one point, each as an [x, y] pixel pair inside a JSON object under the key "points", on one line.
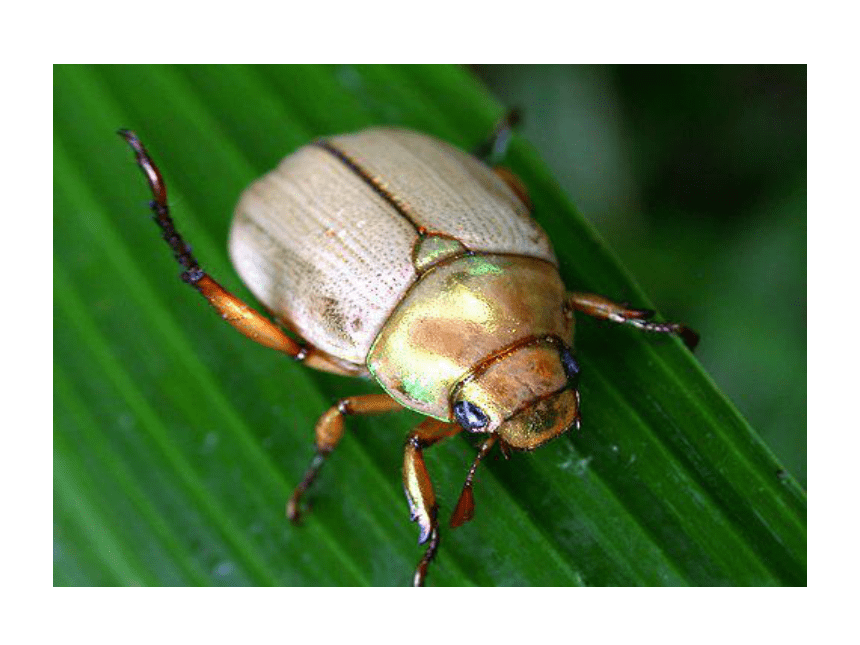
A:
{"points": [[419, 488], [604, 309]]}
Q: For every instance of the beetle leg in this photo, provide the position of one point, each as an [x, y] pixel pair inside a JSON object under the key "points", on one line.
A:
{"points": [[493, 149], [329, 430], [604, 309], [419, 488], [465, 509], [242, 317]]}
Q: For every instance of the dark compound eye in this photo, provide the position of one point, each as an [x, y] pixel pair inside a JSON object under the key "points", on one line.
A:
{"points": [[571, 367], [470, 416]]}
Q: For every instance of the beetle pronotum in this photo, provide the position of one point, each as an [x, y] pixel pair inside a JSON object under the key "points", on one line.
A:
{"points": [[394, 255]]}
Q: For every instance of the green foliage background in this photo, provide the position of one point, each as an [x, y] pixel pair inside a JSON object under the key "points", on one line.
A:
{"points": [[177, 441], [696, 177]]}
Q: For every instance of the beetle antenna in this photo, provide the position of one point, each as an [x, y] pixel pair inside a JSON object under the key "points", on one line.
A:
{"points": [[465, 509]]}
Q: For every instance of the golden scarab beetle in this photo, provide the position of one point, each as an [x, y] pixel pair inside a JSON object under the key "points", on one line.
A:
{"points": [[394, 255]]}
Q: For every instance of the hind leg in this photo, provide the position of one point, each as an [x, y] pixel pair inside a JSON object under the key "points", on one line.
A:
{"points": [[243, 318], [494, 149]]}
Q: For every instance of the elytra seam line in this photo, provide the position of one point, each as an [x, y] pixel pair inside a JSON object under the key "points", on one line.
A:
{"points": [[371, 181]]}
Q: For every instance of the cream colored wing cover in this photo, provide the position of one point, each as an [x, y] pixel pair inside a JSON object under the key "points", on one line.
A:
{"points": [[326, 239]]}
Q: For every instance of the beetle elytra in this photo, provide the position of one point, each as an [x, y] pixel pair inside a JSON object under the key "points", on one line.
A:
{"points": [[395, 256]]}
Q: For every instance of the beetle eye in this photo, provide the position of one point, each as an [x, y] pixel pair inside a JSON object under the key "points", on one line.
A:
{"points": [[571, 367], [470, 416]]}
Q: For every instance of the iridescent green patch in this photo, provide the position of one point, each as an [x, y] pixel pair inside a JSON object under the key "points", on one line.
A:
{"points": [[417, 388], [480, 265], [432, 249]]}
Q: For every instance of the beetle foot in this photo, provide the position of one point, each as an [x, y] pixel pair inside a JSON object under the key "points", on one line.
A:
{"points": [[421, 572], [689, 336], [294, 509]]}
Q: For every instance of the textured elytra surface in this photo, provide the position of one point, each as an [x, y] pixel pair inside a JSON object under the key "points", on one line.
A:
{"points": [[325, 251], [320, 249], [447, 191]]}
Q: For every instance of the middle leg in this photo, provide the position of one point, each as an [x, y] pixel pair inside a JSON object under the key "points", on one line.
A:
{"points": [[329, 430]]}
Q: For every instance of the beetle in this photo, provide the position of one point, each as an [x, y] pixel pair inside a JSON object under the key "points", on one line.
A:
{"points": [[393, 255]]}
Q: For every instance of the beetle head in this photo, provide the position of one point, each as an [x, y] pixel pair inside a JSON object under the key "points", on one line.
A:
{"points": [[526, 393]]}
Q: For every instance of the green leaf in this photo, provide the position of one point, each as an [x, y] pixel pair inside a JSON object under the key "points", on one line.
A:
{"points": [[177, 441]]}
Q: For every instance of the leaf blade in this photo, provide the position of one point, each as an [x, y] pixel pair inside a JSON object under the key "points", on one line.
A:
{"points": [[230, 425]]}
